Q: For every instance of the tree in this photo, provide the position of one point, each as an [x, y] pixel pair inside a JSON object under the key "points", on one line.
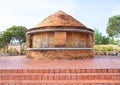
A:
{"points": [[105, 40], [11, 34], [97, 36], [1, 40], [113, 27], [5, 38], [18, 33]]}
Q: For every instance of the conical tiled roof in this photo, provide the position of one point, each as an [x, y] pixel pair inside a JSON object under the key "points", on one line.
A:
{"points": [[59, 18]]}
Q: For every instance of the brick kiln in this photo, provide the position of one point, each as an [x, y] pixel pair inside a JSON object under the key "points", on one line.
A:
{"points": [[59, 36]]}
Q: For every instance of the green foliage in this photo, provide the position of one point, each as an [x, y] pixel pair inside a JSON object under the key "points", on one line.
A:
{"points": [[105, 40], [12, 51], [5, 38], [113, 27], [23, 50], [11, 34], [1, 43], [106, 49], [18, 33], [112, 41], [97, 48], [99, 38]]}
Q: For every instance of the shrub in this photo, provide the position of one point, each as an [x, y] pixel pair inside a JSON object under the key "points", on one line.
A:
{"points": [[106, 49], [12, 51]]}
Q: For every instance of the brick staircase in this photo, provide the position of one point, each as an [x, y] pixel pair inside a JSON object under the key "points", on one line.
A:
{"points": [[60, 77]]}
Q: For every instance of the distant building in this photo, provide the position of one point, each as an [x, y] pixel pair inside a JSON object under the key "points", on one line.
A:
{"points": [[59, 36]]}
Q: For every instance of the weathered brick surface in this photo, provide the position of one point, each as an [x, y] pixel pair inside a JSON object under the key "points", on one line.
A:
{"points": [[60, 76], [60, 39], [60, 54]]}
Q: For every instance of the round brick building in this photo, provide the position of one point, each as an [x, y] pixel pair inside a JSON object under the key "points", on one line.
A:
{"points": [[59, 36]]}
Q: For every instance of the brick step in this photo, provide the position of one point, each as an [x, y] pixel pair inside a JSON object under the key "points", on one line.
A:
{"points": [[2, 74], [61, 76], [61, 81], [60, 71]]}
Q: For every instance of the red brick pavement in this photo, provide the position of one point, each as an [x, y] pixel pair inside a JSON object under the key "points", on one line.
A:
{"points": [[98, 62]]}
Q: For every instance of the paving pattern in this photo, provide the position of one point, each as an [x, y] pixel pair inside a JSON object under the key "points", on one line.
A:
{"points": [[98, 62]]}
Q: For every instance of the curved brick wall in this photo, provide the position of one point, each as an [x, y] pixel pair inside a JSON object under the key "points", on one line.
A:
{"points": [[60, 45], [59, 54]]}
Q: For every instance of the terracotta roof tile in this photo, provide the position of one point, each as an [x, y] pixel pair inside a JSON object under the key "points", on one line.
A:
{"points": [[59, 18]]}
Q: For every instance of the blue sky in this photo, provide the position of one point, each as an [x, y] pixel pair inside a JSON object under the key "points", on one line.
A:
{"points": [[92, 13]]}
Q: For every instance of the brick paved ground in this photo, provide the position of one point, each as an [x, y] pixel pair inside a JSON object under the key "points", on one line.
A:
{"points": [[98, 62]]}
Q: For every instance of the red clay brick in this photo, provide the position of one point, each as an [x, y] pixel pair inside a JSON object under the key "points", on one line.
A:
{"points": [[16, 77], [77, 70], [57, 71], [83, 70], [73, 77], [102, 77], [5, 77], [115, 71], [3, 71], [33, 77], [30, 71], [10, 77], [108, 77], [28, 77], [110, 70], [0, 77], [62, 70], [45, 77], [6, 84], [21, 77], [68, 77], [114, 77], [67, 70], [68, 84], [73, 70], [62, 77], [19, 71], [88, 84], [93, 84], [41, 71], [0, 71], [74, 84], [79, 77], [51, 71], [90, 77], [88, 71], [36, 71], [16, 71], [93, 70], [55, 83], [104, 71], [56, 77], [39, 77], [24, 84], [49, 84], [85, 77], [96, 77], [99, 70], [45, 71], [18, 84], [50, 77]]}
